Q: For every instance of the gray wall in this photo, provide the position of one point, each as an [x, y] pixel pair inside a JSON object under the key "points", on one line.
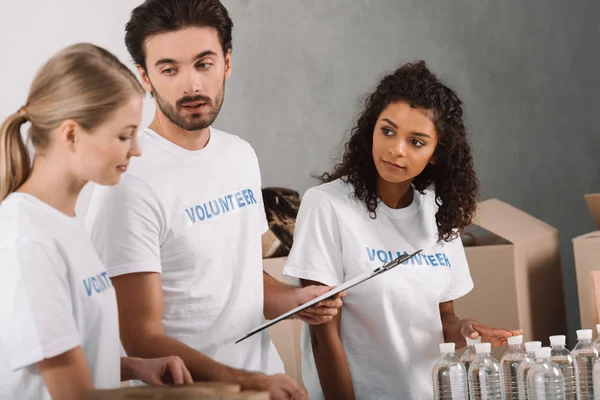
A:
{"points": [[526, 70]]}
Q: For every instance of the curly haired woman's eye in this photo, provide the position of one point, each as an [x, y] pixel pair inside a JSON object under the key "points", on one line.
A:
{"points": [[417, 143], [387, 132]]}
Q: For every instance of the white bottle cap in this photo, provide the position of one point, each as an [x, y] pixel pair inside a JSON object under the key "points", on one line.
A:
{"points": [[544, 352], [515, 340], [473, 342], [598, 328], [447, 348], [483, 348], [583, 334], [558, 340], [531, 346]]}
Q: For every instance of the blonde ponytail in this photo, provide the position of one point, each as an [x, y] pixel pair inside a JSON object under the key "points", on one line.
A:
{"points": [[15, 164], [84, 83]]}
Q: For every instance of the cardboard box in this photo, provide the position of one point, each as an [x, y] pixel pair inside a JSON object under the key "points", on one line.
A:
{"points": [[286, 334], [196, 391], [517, 273], [586, 249]]}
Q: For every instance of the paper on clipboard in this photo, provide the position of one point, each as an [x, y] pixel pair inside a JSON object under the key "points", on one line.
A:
{"points": [[345, 286]]}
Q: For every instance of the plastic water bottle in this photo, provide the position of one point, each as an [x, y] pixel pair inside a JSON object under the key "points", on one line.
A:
{"points": [[526, 364], [469, 354], [545, 381], [510, 364], [561, 356], [449, 375], [485, 375], [597, 377], [585, 356]]}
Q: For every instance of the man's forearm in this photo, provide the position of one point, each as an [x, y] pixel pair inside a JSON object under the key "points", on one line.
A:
{"points": [[278, 297], [201, 367]]}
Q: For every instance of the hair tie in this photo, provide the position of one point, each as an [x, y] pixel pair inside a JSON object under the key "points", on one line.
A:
{"points": [[23, 113]]}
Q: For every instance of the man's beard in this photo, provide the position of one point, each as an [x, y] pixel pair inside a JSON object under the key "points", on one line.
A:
{"points": [[194, 122]]}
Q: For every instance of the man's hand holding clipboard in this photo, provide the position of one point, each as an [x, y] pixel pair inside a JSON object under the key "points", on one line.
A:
{"points": [[323, 311], [345, 286]]}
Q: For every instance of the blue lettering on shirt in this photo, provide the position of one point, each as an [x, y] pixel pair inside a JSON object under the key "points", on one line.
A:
{"points": [[215, 210], [240, 201], [96, 284], [432, 260], [224, 204], [221, 205], [208, 214]]}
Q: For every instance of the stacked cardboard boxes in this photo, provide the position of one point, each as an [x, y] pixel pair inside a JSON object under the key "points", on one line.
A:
{"points": [[587, 249], [516, 268]]}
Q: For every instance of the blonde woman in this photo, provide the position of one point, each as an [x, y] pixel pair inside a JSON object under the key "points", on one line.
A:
{"points": [[59, 335]]}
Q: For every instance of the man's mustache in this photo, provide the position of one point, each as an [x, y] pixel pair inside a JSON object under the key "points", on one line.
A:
{"points": [[192, 99]]}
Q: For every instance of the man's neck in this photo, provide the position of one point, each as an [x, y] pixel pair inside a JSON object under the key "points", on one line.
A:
{"points": [[189, 140]]}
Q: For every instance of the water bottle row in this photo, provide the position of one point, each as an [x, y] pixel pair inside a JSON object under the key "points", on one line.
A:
{"points": [[525, 372]]}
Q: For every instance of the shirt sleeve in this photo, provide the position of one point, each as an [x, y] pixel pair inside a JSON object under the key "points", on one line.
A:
{"points": [[317, 250], [125, 223], [37, 308], [460, 277], [262, 221]]}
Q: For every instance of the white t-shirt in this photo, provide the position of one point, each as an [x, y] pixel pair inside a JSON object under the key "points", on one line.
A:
{"points": [[197, 218], [55, 296], [390, 325]]}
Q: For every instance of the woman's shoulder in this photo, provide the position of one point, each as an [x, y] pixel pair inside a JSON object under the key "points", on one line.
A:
{"points": [[428, 197], [335, 192], [20, 220]]}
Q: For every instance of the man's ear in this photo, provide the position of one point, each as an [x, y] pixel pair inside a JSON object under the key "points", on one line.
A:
{"points": [[228, 64], [145, 79]]}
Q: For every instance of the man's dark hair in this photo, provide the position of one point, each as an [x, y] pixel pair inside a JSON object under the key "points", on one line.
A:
{"points": [[154, 17]]}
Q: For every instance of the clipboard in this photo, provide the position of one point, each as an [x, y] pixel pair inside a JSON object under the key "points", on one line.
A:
{"points": [[345, 286]]}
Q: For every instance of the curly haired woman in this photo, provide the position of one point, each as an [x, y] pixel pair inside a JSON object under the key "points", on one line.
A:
{"points": [[406, 182]]}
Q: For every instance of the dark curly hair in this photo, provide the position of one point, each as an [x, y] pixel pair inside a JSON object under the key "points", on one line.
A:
{"points": [[453, 175]]}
